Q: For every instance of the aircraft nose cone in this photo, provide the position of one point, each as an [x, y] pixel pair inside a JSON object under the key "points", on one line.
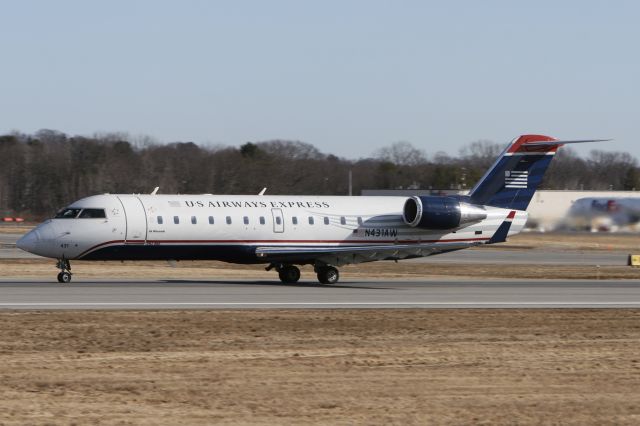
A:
{"points": [[28, 241]]}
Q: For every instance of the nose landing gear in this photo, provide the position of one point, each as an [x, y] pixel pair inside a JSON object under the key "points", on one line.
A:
{"points": [[65, 271]]}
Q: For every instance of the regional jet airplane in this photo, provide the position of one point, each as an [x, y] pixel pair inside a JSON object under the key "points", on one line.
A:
{"points": [[604, 213], [284, 231]]}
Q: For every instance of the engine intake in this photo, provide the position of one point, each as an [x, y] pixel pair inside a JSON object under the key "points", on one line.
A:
{"points": [[430, 212]]}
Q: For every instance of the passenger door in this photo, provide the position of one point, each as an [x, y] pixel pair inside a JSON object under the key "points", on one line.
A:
{"points": [[278, 220], [136, 219]]}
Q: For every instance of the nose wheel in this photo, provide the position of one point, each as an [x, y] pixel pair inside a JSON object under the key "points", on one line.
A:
{"points": [[65, 271], [64, 277]]}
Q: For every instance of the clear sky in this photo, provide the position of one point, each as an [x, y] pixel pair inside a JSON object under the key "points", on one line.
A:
{"points": [[346, 76]]}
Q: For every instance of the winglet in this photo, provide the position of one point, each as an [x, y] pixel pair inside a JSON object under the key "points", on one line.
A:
{"points": [[263, 191], [500, 236], [155, 190]]}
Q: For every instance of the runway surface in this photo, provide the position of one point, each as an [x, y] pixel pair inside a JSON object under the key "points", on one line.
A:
{"points": [[481, 255], [187, 294], [484, 255]]}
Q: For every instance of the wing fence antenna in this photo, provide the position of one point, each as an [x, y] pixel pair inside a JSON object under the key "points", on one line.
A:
{"points": [[263, 191], [155, 190]]}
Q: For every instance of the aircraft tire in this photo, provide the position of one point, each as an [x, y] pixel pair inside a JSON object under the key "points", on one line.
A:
{"points": [[328, 275], [64, 277], [289, 274]]}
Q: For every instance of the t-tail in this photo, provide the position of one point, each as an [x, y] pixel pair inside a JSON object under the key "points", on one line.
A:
{"points": [[515, 176]]}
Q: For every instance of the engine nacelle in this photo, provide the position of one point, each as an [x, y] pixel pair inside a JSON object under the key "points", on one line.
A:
{"points": [[431, 212]]}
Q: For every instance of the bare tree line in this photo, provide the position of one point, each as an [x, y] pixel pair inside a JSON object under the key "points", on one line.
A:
{"points": [[41, 173]]}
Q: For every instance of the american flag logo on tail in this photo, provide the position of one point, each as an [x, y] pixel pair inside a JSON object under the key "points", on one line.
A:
{"points": [[516, 179]]}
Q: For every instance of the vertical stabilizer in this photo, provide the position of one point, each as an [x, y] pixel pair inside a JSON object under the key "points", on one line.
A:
{"points": [[515, 176]]}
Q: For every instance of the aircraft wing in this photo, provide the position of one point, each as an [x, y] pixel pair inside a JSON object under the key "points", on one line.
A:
{"points": [[342, 255]]}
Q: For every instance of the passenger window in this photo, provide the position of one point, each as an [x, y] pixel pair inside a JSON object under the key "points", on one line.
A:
{"points": [[159, 220], [326, 220], [262, 221], [359, 220], [228, 220], [343, 220], [210, 220], [294, 220], [310, 220], [67, 214], [245, 220], [176, 220], [92, 214], [278, 220], [194, 220]]}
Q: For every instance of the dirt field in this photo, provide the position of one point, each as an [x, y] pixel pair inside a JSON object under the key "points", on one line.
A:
{"points": [[324, 367], [605, 241], [14, 228]]}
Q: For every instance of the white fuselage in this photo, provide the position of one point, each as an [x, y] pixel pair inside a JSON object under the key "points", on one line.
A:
{"points": [[230, 227]]}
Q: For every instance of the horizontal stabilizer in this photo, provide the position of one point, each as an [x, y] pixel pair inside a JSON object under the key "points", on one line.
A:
{"points": [[551, 143]]}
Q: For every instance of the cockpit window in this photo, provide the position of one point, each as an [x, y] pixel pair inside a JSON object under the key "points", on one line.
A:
{"points": [[67, 214], [92, 214]]}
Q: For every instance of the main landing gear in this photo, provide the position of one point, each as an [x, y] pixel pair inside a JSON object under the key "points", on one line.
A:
{"points": [[327, 274], [290, 274], [65, 271]]}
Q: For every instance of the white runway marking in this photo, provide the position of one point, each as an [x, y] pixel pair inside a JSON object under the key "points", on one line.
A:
{"points": [[621, 303]]}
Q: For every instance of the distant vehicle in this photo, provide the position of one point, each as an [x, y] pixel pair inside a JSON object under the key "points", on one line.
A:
{"points": [[12, 219], [604, 214], [285, 231]]}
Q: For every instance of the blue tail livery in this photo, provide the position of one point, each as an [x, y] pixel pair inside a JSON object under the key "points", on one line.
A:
{"points": [[513, 179]]}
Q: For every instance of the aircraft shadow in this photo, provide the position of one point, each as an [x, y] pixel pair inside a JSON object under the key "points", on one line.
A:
{"points": [[353, 285]]}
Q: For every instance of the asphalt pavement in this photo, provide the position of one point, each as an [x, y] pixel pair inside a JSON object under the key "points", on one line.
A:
{"points": [[195, 294]]}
